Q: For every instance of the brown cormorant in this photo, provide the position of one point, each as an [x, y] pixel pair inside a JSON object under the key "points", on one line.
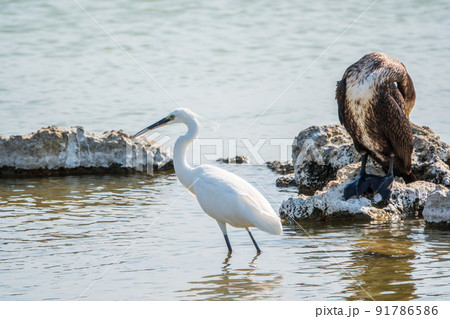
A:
{"points": [[375, 96]]}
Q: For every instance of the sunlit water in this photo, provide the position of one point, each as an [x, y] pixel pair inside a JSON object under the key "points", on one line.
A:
{"points": [[228, 61], [59, 235]]}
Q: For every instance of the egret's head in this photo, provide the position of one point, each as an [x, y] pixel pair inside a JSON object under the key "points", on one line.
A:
{"points": [[180, 115]]}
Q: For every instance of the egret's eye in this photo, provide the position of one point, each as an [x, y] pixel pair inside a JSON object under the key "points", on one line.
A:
{"points": [[171, 117]]}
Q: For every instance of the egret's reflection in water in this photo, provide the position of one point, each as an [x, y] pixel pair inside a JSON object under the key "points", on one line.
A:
{"points": [[234, 283]]}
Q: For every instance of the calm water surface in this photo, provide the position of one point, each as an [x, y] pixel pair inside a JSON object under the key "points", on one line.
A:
{"points": [[228, 61], [58, 235]]}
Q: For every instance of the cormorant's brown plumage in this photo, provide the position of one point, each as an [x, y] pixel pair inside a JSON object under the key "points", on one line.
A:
{"points": [[375, 96]]}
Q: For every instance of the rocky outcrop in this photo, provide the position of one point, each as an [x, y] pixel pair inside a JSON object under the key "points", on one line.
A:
{"points": [[57, 151], [286, 169], [437, 208], [238, 159], [287, 180], [317, 153], [406, 200], [320, 151], [325, 161], [283, 168]]}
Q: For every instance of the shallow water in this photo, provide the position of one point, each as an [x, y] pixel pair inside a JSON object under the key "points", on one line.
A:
{"points": [[59, 235], [228, 61]]}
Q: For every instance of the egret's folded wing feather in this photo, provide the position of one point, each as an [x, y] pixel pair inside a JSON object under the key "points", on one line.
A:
{"points": [[231, 199]]}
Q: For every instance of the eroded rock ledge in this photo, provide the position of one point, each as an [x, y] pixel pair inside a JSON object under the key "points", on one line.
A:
{"points": [[325, 161], [58, 151], [286, 169], [238, 159]]}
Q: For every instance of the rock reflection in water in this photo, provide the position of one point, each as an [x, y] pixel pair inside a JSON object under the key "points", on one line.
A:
{"points": [[235, 284], [383, 263], [58, 193]]}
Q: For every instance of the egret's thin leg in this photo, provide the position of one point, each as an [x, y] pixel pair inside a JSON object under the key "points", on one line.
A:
{"points": [[228, 243], [223, 228], [253, 240]]}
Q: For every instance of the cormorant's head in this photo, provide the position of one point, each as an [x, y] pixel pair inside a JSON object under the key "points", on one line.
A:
{"points": [[406, 87]]}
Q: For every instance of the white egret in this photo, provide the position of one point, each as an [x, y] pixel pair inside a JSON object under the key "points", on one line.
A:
{"points": [[224, 196]]}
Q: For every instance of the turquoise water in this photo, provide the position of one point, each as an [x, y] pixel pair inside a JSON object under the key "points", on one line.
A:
{"points": [[227, 61]]}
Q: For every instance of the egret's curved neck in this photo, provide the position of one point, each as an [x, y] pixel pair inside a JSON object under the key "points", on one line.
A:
{"points": [[182, 168]]}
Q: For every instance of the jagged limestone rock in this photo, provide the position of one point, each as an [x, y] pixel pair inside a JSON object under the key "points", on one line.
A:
{"points": [[320, 151], [238, 159], [406, 200], [286, 180], [57, 151], [286, 169], [437, 208], [283, 168]]}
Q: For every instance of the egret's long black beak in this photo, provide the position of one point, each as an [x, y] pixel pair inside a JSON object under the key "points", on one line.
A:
{"points": [[153, 126]]}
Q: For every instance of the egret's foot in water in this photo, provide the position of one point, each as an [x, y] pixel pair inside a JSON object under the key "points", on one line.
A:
{"points": [[358, 186], [383, 185]]}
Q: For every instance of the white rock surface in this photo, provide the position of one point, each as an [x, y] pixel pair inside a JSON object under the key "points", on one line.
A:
{"points": [[54, 150], [437, 208], [317, 154], [406, 200]]}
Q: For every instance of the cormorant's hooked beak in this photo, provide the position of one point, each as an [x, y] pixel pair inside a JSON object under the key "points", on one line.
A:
{"points": [[160, 123]]}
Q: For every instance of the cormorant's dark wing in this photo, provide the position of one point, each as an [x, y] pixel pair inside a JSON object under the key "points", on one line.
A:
{"points": [[397, 128], [340, 98]]}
